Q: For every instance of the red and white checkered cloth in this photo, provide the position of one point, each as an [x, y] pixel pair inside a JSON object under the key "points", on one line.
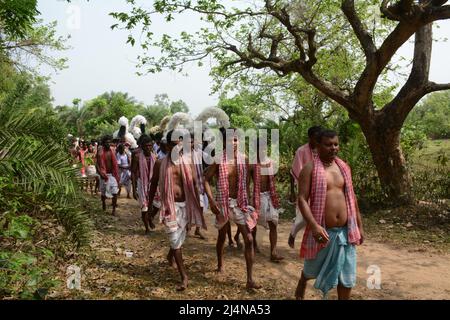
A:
{"points": [[310, 247], [168, 211], [257, 187], [223, 193]]}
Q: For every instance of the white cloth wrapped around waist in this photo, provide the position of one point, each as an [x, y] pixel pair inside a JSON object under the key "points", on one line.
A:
{"points": [[267, 211]]}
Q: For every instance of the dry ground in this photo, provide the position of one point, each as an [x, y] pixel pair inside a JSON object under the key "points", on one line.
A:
{"points": [[407, 272]]}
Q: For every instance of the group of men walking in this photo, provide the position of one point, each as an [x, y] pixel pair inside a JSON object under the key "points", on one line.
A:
{"points": [[177, 183]]}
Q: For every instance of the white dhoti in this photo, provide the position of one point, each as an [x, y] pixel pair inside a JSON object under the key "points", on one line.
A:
{"points": [[237, 216], [177, 232], [299, 222], [109, 188], [204, 202], [267, 211]]}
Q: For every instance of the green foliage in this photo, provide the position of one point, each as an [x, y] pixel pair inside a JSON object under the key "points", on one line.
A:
{"points": [[17, 17], [99, 116], [432, 116], [23, 263], [37, 184]]}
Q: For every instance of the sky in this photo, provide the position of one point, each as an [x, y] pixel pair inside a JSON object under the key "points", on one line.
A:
{"points": [[100, 60]]}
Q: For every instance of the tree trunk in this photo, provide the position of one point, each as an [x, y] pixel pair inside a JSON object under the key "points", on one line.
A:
{"points": [[384, 144]]}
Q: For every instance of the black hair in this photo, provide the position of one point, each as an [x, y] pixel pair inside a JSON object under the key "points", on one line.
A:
{"points": [[326, 133], [170, 134], [158, 136], [106, 138], [142, 128], [169, 138], [315, 130], [122, 131], [144, 139], [120, 148]]}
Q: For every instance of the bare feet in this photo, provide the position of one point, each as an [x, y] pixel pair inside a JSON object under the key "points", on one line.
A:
{"points": [[231, 244], [252, 285], [276, 258], [238, 242], [257, 250], [184, 285], [152, 225], [199, 234], [147, 231], [291, 241], [219, 270]]}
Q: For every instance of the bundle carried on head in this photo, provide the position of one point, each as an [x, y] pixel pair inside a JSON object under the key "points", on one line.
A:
{"points": [[179, 121], [123, 123], [164, 123], [222, 120], [123, 133], [137, 126]]}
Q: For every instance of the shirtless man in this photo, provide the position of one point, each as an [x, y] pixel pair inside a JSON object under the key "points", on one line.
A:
{"points": [[334, 224], [175, 177], [265, 199], [142, 165], [232, 203], [108, 170]]}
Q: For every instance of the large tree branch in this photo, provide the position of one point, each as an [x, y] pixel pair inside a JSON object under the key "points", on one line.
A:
{"points": [[366, 41], [417, 84], [432, 86], [440, 13]]}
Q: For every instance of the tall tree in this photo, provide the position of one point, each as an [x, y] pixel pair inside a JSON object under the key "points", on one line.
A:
{"points": [[305, 38]]}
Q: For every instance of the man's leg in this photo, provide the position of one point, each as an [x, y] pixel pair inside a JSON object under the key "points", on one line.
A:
{"points": [[199, 234], [273, 235], [128, 188], [171, 258], [230, 239], [249, 256], [104, 203], [301, 288], [343, 292], [97, 185], [145, 220], [151, 216], [255, 245], [181, 269], [114, 204], [236, 238], [220, 245]]}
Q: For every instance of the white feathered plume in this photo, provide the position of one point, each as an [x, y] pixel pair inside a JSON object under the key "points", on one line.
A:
{"points": [[164, 122], [123, 122], [221, 117], [155, 129], [179, 120], [135, 125]]}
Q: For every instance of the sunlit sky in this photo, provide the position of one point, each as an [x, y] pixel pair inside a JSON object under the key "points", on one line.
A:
{"points": [[100, 61]]}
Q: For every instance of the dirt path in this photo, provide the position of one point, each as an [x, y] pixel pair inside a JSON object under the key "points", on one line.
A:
{"points": [[405, 273]]}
